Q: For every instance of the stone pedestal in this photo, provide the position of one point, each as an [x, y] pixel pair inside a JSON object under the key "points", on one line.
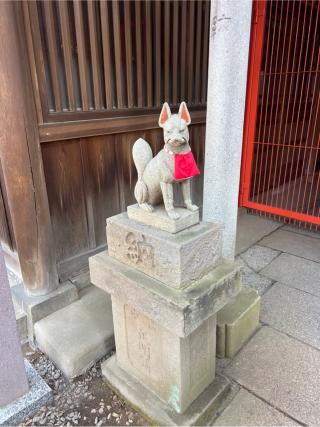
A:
{"points": [[166, 290], [159, 218], [175, 259]]}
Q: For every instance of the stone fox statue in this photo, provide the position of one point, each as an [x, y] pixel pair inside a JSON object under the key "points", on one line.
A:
{"points": [[173, 164]]}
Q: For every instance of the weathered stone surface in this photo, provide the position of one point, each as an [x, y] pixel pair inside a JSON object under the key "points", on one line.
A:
{"points": [[41, 306], [293, 312], [296, 272], [160, 219], [82, 280], [255, 280], [87, 338], [247, 410], [201, 412], [283, 372], [22, 323], [175, 259], [294, 244], [237, 321], [306, 232], [176, 369], [250, 229], [38, 395], [13, 379], [38, 307], [179, 311], [257, 257], [14, 279]]}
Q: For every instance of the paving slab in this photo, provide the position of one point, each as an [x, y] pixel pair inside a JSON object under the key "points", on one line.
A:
{"points": [[294, 312], [294, 244], [257, 257], [251, 229], [282, 371], [295, 272], [87, 337], [256, 281], [305, 232], [248, 410]]}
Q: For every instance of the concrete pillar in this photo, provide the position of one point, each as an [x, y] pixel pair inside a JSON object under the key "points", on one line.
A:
{"points": [[13, 378], [230, 24]]}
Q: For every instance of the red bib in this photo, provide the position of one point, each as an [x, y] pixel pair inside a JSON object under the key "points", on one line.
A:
{"points": [[185, 166]]}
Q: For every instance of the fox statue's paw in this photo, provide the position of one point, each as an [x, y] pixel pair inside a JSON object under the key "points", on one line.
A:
{"points": [[191, 207], [173, 214], [146, 207]]}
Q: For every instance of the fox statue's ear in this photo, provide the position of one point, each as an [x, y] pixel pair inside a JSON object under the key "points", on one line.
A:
{"points": [[165, 114], [184, 113]]}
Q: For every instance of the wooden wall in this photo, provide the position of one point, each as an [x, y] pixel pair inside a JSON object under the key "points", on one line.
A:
{"points": [[89, 179], [84, 131]]}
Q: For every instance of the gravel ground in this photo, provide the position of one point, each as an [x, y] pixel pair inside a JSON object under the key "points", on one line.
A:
{"points": [[84, 401]]}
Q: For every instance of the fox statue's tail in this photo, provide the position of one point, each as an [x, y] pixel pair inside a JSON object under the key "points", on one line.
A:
{"points": [[142, 154]]}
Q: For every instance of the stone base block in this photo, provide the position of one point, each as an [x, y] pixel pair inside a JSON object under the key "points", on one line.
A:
{"points": [[22, 323], [201, 412], [159, 218], [175, 259], [38, 395], [179, 311], [78, 335], [81, 281], [237, 321], [176, 369], [38, 307]]}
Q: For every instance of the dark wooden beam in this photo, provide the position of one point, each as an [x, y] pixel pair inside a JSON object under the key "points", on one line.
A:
{"points": [[81, 128], [21, 159]]}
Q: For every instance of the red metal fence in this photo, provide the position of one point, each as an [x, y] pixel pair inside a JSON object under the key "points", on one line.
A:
{"points": [[281, 155]]}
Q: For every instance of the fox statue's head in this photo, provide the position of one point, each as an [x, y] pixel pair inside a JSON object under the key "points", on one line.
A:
{"points": [[175, 126]]}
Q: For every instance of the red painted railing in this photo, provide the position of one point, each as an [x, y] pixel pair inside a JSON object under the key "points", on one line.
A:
{"points": [[280, 173]]}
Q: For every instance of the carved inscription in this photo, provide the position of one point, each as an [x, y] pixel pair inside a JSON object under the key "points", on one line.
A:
{"points": [[144, 349], [138, 250], [143, 337]]}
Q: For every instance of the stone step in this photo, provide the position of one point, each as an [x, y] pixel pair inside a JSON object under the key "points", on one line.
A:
{"points": [[40, 306], [22, 325], [78, 335], [237, 321]]}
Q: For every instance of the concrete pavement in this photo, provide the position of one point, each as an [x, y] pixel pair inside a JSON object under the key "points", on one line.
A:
{"points": [[278, 369]]}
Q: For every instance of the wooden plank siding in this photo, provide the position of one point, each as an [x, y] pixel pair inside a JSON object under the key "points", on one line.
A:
{"points": [[101, 71], [101, 56]]}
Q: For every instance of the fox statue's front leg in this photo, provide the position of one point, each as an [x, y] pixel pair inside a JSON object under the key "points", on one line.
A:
{"points": [[167, 194], [186, 193]]}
